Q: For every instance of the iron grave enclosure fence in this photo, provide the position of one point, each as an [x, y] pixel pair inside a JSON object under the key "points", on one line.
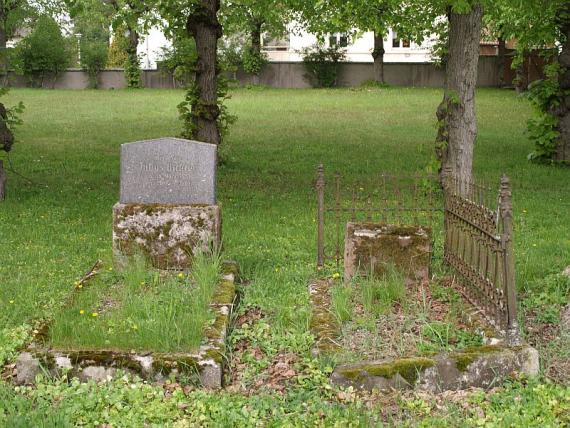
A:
{"points": [[474, 221]]}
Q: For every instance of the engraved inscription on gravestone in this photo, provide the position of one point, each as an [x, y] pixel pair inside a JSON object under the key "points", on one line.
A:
{"points": [[168, 171]]}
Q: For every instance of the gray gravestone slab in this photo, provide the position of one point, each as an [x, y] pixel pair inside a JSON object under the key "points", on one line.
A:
{"points": [[168, 171]]}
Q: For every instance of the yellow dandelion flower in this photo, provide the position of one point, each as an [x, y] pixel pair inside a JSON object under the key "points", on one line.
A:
{"points": [[110, 269], [94, 314], [336, 275], [180, 275], [81, 311], [11, 302]]}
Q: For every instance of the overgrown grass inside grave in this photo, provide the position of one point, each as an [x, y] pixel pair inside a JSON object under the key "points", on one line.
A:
{"points": [[140, 309], [382, 318]]}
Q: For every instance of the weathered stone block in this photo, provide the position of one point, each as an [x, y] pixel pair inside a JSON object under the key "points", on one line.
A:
{"points": [[480, 367], [167, 235], [370, 247]]}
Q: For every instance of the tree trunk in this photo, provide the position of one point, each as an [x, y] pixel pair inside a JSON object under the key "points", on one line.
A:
{"points": [[133, 42], [132, 69], [562, 112], [204, 26], [2, 181], [378, 55], [456, 113], [6, 135], [502, 50], [521, 81], [256, 47], [3, 52]]}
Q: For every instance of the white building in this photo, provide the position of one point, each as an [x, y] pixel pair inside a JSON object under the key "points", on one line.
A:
{"points": [[358, 48], [150, 48]]}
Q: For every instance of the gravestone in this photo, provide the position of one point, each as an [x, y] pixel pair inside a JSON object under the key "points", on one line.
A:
{"points": [[167, 208], [168, 171], [371, 247]]}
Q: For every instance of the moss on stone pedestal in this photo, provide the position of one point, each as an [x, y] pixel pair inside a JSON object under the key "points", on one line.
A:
{"points": [[167, 235], [407, 248]]}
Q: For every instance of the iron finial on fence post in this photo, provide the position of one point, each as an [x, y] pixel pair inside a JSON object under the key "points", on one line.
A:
{"points": [[506, 215], [320, 187]]}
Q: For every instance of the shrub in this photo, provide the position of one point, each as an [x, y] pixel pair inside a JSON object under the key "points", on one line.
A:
{"points": [[180, 59], [133, 73], [542, 130], [253, 61], [230, 55], [43, 52], [322, 65], [94, 52], [117, 57]]}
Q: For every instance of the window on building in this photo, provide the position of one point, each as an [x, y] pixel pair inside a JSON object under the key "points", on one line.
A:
{"points": [[395, 40], [399, 43], [338, 39], [273, 44]]}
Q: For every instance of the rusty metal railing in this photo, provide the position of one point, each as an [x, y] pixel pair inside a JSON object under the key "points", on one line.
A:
{"points": [[478, 245], [405, 199]]}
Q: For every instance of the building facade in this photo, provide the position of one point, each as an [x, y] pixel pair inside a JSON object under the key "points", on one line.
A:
{"points": [[289, 48]]}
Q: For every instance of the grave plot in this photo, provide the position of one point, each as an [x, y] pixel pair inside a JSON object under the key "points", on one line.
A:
{"points": [[382, 314], [155, 324], [167, 310]]}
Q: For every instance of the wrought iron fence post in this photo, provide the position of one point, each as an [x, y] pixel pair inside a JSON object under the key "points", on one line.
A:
{"points": [[320, 187], [506, 212], [447, 176]]}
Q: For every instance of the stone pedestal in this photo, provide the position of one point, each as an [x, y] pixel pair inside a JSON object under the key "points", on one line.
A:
{"points": [[370, 247], [167, 235]]}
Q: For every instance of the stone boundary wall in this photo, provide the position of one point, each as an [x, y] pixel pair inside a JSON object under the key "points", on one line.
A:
{"points": [[283, 75]]}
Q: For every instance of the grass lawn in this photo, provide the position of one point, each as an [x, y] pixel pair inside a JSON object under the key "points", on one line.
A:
{"points": [[53, 230]]}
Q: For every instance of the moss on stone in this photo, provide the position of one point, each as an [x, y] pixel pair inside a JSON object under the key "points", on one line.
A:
{"points": [[225, 293], [483, 349], [231, 267], [407, 368], [467, 356], [214, 331], [215, 354], [387, 250]]}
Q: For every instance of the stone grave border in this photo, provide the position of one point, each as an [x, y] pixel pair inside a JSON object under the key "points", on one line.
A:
{"points": [[206, 365], [479, 366]]}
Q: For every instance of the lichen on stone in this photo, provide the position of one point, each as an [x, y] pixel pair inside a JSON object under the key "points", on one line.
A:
{"points": [[407, 368]]}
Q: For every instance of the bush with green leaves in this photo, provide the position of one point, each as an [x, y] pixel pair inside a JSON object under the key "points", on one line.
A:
{"points": [[322, 64], [230, 55], [44, 52], [94, 53], [254, 61], [179, 60], [133, 73], [118, 49], [542, 130]]}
